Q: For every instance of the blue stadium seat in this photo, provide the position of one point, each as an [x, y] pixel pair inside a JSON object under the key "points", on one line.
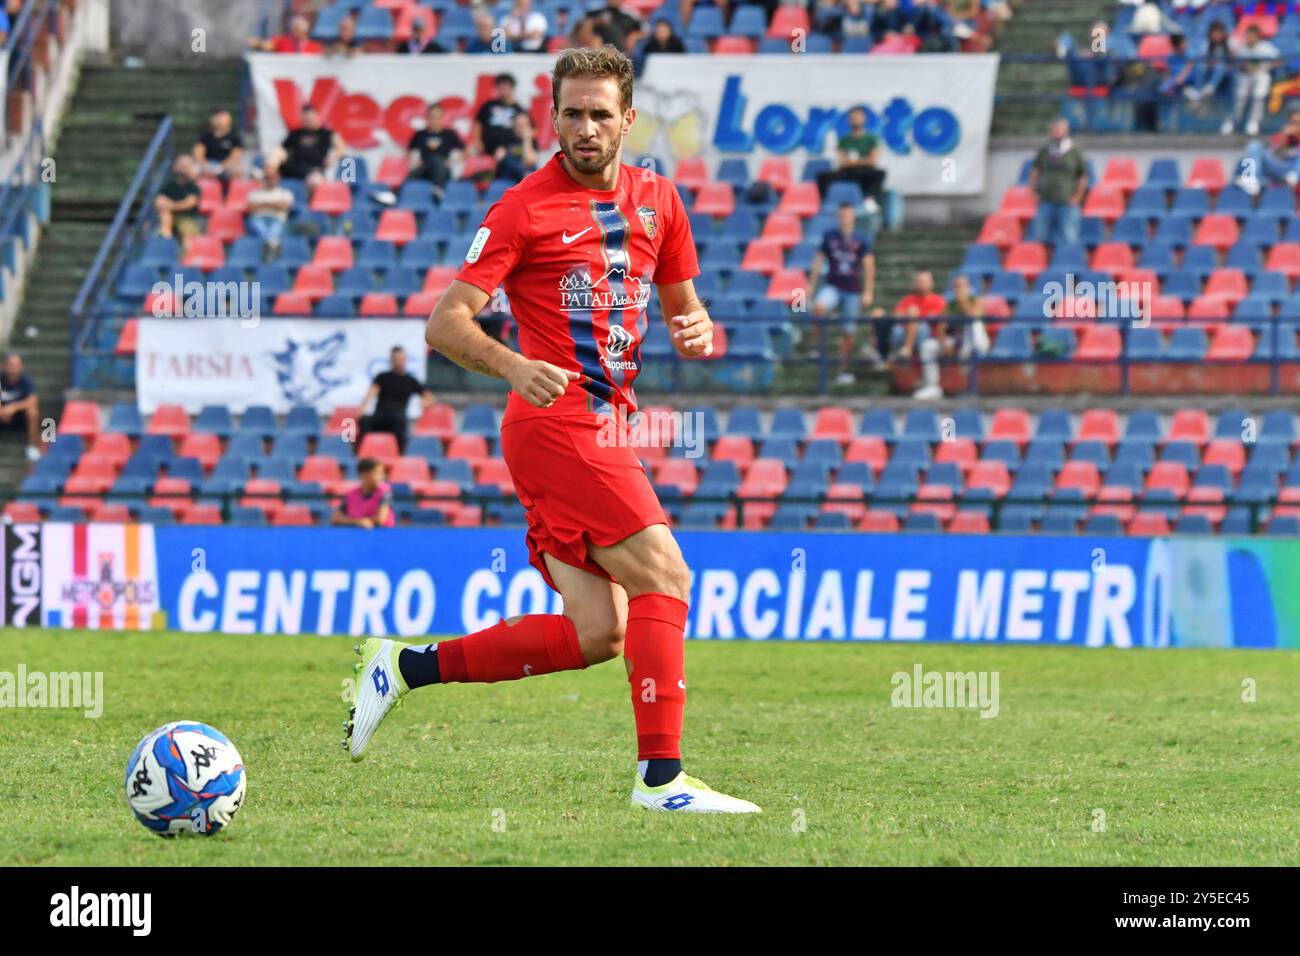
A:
{"points": [[125, 419], [706, 23], [788, 422], [1187, 345], [748, 20], [258, 420], [745, 420], [878, 422], [375, 23], [922, 521]]}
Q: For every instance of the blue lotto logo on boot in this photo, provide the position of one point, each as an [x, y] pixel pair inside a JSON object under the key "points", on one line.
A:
{"points": [[678, 800], [380, 677]]}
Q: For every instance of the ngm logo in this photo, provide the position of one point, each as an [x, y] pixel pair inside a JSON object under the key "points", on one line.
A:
{"points": [[22, 590], [780, 128]]}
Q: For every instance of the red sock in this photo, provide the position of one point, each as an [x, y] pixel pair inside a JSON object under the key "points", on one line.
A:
{"points": [[535, 644], [654, 650]]}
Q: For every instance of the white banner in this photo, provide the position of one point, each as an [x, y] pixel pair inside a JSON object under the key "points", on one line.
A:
{"points": [[932, 112], [276, 362]]}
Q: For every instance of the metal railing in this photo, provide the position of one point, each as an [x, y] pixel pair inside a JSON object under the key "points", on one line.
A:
{"points": [[35, 19], [134, 216], [17, 193]]}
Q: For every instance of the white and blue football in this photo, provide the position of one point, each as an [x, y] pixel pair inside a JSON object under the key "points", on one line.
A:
{"points": [[185, 778]]}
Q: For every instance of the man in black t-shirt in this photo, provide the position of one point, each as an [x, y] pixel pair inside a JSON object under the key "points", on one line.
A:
{"points": [[306, 152], [494, 123], [433, 148], [220, 149], [177, 204], [391, 391], [19, 408]]}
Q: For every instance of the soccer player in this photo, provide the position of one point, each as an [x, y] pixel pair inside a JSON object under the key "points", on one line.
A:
{"points": [[577, 245]]}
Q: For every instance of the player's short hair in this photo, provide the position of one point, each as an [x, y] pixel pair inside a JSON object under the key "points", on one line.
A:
{"points": [[607, 61], [366, 465]]}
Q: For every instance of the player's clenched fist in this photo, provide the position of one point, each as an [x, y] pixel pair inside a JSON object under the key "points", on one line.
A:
{"points": [[693, 334], [540, 383]]}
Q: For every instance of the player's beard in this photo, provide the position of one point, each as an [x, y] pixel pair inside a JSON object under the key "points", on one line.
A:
{"points": [[589, 166]]}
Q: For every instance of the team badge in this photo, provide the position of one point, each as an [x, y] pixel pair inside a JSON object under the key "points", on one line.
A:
{"points": [[647, 216]]}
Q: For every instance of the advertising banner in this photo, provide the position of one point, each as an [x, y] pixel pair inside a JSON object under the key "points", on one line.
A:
{"points": [[932, 112], [276, 362]]}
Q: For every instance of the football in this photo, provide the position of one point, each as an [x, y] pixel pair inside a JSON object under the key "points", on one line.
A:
{"points": [[185, 778]]}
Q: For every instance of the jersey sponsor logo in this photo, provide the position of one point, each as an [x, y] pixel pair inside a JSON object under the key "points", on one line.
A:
{"points": [[566, 238], [476, 247], [648, 221], [579, 293]]}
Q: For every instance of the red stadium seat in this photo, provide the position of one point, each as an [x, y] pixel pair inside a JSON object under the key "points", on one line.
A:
{"points": [[786, 20], [800, 199], [1098, 343], [878, 521], [93, 466], [786, 283], [847, 499], [392, 171], [959, 451], [108, 513], [1207, 308], [408, 14], [990, 474], [112, 446], [1227, 452], [1112, 257], [1026, 258], [725, 45], [1000, 230], [782, 228], [226, 224], [495, 471], [679, 472], [478, 165], [935, 499], [409, 469], [868, 448], [315, 282], [833, 421], [237, 195], [1190, 424], [396, 226], [204, 446], [1079, 474], [333, 253], [344, 418], [438, 420], [1099, 424], [1121, 173], [1266, 23], [692, 172], [1104, 202], [737, 448], [715, 199], [1285, 258], [777, 173], [379, 445], [438, 279], [22, 512], [199, 514], [1167, 308], [472, 448], [421, 304], [292, 516], [1019, 202], [765, 478], [263, 494], [211, 196], [170, 493], [1205, 500], [1171, 475], [321, 468], [332, 197], [1114, 500], [379, 304], [1231, 343], [79, 418], [1155, 46], [995, 307], [129, 339], [292, 303], [170, 420], [206, 253], [1207, 173], [1009, 424], [1217, 229], [763, 255], [969, 522], [1148, 523]]}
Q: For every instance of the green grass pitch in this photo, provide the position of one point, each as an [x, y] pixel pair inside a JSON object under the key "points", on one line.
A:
{"points": [[539, 771]]}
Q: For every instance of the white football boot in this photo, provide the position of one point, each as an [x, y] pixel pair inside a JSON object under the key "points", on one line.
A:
{"points": [[689, 795], [379, 688]]}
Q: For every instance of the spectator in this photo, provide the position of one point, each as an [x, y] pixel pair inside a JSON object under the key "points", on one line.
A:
{"points": [[662, 39], [307, 152], [487, 37], [19, 406], [921, 303], [268, 211], [391, 392], [856, 21], [1179, 66], [518, 156], [593, 34], [952, 340], [1059, 178], [220, 149], [858, 152], [433, 149], [494, 123], [423, 40], [1278, 163], [525, 27], [849, 264], [1255, 59], [177, 204], [346, 43], [1092, 67], [1211, 73], [933, 26], [4, 26], [625, 29], [297, 40], [370, 504]]}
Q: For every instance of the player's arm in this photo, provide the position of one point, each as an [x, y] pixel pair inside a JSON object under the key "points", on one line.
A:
{"points": [[454, 331], [687, 318]]}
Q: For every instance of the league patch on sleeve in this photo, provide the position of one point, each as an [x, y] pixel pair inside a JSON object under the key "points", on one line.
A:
{"points": [[476, 247]]}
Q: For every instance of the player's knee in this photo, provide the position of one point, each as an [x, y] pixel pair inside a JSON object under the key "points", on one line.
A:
{"points": [[601, 639]]}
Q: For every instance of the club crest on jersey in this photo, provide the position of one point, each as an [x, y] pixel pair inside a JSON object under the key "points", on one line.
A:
{"points": [[620, 340], [647, 216]]}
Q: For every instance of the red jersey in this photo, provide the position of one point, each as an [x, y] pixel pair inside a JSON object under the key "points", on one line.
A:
{"points": [[578, 266]]}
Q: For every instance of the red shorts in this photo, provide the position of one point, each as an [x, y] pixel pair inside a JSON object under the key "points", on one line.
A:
{"points": [[575, 491]]}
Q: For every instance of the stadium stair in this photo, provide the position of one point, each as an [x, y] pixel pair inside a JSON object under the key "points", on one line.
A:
{"points": [[112, 117], [1034, 30]]}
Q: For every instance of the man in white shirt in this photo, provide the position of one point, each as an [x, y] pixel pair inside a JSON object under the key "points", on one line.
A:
{"points": [[1256, 58], [525, 27]]}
